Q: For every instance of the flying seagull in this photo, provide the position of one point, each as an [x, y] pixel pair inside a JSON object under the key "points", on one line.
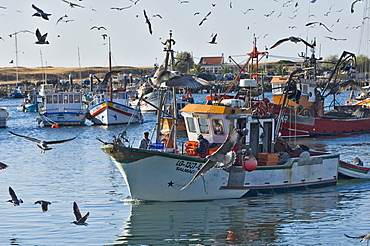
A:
{"points": [[292, 39], [319, 23], [41, 39], [223, 154], [40, 13], [79, 219], [335, 39], [14, 200], [61, 18], [3, 166], [164, 78], [353, 5], [213, 41], [44, 205], [147, 21], [204, 18], [363, 237], [98, 27], [43, 145], [157, 15], [117, 8], [72, 5]]}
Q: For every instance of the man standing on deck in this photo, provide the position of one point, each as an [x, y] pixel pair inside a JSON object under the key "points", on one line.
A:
{"points": [[145, 142]]}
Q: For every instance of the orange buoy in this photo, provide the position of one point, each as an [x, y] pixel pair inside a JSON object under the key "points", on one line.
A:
{"points": [[249, 163], [54, 126]]}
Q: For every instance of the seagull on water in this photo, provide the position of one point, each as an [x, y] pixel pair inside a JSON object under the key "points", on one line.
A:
{"points": [[14, 200], [147, 21], [44, 205], [79, 219], [43, 145], [164, 78], [40, 13], [41, 39], [223, 154], [292, 39]]}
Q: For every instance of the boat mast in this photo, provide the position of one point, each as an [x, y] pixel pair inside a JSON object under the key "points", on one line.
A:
{"points": [[110, 69]]}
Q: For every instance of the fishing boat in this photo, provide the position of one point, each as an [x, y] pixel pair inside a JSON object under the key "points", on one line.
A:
{"points": [[3, 117], [159, 174], [150, 96], [30, 104], [16, 93], [354, 170], [112, 106], [62, 109]]}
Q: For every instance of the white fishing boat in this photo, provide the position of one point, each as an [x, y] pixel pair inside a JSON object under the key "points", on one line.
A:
{"points": [[62, 109], [110, 108], [160, 174], [150, 96], [3, 117]]}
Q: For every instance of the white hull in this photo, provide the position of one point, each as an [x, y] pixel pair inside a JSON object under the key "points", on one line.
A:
{"points": [[152, 98], [73, 118], [156, 176], [3, 117], [354, 171], [110, 113]]}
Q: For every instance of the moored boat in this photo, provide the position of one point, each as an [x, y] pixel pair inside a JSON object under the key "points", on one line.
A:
{"points": [[30, 104], [3, 117], [62, 108], [353, 170], [160, 174]]}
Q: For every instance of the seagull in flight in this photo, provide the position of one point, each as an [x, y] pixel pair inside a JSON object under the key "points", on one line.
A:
{"points": [[98, 27], [14, 199], [41, 39], [40, 13], [43, 145], [79, 219], [204, 18], [3, 166], [335, 39], [292, 39], [363, 237], [121, 8], [147, 21], [61, 18], [44, 205], [213, 41], [353, 5], [72, 5], [319, 23], [163, 78], [223, 154]]}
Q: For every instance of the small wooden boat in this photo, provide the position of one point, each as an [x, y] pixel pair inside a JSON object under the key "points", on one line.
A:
{"points": [[348, 170]]}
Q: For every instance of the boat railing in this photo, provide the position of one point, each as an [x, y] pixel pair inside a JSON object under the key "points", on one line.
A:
{"points": [[64, 110]]}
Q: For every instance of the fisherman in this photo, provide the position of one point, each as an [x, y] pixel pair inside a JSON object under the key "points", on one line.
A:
{"points": [[203, 146], [145, 142], [167, 141]]}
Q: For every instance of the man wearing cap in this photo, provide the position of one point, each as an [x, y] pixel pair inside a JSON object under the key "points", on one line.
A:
{"points": [[145, 142], [203, 146]]}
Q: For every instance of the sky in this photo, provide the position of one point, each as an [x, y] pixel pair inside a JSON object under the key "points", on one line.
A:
{"points": [[236, 23]]}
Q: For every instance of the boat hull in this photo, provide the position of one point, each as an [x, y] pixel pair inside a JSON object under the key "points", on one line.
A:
{"points": [[158, 176], [110, 113], [72, 118], [305, 126], [353, 171], [150, 103], [3, 117]]}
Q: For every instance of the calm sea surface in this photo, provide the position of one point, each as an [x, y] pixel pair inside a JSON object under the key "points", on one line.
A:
{"points": [[78, 171]]}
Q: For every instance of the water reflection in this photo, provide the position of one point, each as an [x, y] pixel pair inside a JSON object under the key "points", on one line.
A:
{"points": [[269, 220]]}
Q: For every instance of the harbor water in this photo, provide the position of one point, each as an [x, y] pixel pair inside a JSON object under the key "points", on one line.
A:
{"points": [[78, 171]]}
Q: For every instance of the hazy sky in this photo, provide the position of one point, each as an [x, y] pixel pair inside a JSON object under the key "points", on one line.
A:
{"points": [[234, 21]]}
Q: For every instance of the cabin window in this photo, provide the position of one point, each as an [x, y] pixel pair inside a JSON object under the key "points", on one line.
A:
{"points": [[190, 124], [203, 125], [49, 99], [65, 97], [218, 127], [70, 98], [305, 89], [55, 98], [77, 98], [60, 98]]}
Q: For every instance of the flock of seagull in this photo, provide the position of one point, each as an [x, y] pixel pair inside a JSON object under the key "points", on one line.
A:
{"points": [[43, 145]]}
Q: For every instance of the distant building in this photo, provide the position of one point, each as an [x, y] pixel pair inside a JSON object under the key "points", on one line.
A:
{"points": [[212, 64]]}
